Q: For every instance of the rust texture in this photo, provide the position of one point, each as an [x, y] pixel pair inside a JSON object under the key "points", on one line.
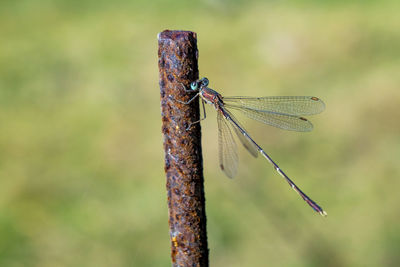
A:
{"points": [[177, 61]]}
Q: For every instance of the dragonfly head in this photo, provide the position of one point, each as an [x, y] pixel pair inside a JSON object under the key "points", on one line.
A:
{"points": [[203, 82]]}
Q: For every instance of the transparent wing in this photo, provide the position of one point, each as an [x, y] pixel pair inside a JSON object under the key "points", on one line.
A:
{"points": [[246, 142], [279, 120], [228, 158], [290, 105]]}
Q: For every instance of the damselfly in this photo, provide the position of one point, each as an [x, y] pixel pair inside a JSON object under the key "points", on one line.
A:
{"points": [[284, 112]]}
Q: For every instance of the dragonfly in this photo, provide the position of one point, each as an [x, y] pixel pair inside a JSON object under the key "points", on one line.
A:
{"points": [[283, 112]]}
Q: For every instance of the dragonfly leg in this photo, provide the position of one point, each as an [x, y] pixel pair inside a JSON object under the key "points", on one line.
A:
{"points": [[204, 111], [184, 88], [183, 102], [187, 91]]}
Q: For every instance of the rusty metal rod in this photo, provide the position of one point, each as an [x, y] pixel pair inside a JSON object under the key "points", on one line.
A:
{"points": [[177, 62]]}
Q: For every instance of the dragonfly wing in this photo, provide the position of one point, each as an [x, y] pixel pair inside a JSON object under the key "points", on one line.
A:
{"points": [[279, 120], [228, 158], [291, 105], [246, 142]]}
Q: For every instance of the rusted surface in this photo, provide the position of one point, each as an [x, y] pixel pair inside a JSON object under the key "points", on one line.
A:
{"points": [[177, 61]]}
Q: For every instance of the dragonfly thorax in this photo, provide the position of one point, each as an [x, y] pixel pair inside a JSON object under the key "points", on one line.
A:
{"points": [[210, 96]]}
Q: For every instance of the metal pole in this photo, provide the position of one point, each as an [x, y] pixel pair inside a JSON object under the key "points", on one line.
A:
{"points": [[177, 61]]}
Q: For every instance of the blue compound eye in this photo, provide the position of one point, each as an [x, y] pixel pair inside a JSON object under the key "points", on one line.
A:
{"points": [[204, 81], [194, 85]]}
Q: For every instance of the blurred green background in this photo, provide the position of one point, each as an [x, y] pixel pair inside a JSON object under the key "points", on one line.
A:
{"points": [[81, 160]]}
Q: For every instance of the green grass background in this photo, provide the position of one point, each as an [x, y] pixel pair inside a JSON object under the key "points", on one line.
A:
{"points": [[81, 160]]}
